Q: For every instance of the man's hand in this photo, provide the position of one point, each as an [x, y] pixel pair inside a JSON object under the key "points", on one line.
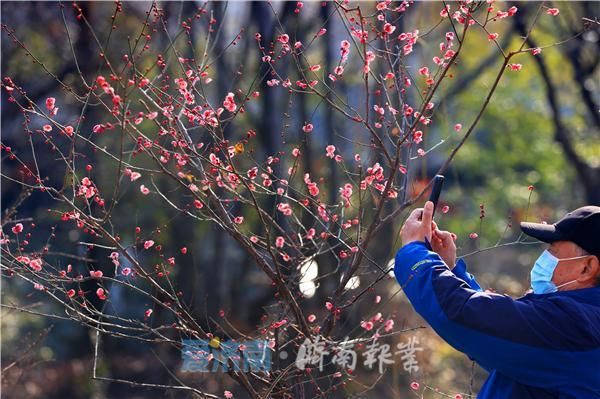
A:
{"points": [[442, 242], [418, 225]]}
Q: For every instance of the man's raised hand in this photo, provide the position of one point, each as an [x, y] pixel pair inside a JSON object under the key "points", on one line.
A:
{"points": [[419, 225], [443, 243]]}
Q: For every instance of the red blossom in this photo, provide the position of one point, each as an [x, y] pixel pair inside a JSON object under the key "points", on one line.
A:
{"points": [[50, 102], [279, 242], [96, 274], [515, 67], [36, 264], [69, 130], [229, 102], [330, 150], [101, 294]]}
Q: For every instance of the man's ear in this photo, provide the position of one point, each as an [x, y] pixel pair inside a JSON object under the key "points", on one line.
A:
{"points": [[591, 270]]}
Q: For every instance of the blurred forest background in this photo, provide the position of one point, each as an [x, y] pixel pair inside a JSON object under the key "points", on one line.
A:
{"points": [[541, 129]]}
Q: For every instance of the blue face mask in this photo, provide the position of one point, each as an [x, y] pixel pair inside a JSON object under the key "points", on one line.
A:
{"points": [[543, 269]]}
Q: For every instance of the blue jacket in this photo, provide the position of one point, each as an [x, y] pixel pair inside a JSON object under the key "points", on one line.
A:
{"points": [[537, 346]]}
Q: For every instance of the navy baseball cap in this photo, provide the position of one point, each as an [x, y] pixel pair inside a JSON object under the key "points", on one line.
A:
{"points": [[581, 226]]}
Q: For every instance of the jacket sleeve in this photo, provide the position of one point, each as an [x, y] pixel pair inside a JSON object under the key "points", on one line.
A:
{"points": [[460, 271], [518, 339]]}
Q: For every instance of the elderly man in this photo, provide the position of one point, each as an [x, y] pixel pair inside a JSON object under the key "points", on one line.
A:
{"points": [[545, 344]]}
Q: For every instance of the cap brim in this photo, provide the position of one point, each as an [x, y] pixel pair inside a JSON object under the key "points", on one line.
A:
{"points": [[543, 232]]}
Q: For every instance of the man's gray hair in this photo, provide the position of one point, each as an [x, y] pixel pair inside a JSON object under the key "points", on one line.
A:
{"points": [[584, 252]]}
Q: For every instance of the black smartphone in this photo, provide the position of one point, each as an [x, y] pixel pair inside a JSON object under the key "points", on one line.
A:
{"points": [[438, 182]]}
